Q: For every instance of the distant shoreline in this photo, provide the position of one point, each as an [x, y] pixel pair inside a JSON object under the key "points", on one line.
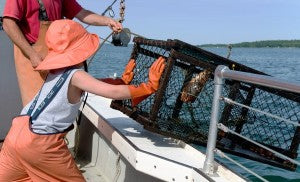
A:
{"points": [[260, 44]]}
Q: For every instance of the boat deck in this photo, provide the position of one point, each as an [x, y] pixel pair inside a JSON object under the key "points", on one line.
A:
{"points": [[142, 151]]}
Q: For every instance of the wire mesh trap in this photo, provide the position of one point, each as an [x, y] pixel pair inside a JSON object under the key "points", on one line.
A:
{"points": [[181, 107]]}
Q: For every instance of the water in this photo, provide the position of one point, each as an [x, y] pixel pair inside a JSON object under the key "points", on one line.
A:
{"points": [[279, 62], [110, 60], [283, 63]]}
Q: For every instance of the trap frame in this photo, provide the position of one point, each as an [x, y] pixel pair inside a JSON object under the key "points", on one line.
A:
{"points": [[167, 113]]}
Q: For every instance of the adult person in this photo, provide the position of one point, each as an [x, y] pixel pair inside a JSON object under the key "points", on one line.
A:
{"points": [[26, 23]]}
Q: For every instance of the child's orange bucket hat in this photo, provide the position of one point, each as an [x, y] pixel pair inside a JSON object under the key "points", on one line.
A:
{"points": [[68, 44]]}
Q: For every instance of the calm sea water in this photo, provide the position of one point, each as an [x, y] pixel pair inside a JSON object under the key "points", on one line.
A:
{"points": [[283, 63]]}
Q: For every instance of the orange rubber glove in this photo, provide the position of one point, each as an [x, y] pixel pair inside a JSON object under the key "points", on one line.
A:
{"points": [[127, 75], [141, 92]]}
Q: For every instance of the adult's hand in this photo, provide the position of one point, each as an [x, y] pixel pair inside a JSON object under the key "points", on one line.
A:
{"points": [[35, 59], [115, 25], [15, 34]]}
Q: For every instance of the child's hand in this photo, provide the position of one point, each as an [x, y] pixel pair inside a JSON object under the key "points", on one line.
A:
{"points": [[128, 74], [155, 72], [141, 92]]}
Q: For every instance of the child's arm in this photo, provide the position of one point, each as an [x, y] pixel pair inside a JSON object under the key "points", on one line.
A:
{"points": [[85, 82]]}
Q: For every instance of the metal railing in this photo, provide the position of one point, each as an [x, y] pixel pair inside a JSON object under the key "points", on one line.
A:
{"points": [[222, 73]]}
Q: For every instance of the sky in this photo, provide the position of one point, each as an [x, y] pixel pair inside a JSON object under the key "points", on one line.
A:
{"points": [[205, 21]]}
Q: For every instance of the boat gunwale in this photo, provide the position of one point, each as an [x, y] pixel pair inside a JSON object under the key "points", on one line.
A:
{"points": [[137, 149]]}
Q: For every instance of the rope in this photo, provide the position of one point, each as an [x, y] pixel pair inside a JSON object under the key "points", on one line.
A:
{"points": [[77, 135], [118, 168], [77, 132], [91, 59], [77, 139], [135, 34], [109, 8], [122, 14], [106, 40]]}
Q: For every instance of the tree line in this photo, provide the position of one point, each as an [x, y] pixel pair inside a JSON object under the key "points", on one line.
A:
{"points": [[264, 43]]}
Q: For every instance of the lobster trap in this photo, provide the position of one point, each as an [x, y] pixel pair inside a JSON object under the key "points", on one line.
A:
{"points": [[181, 108]]}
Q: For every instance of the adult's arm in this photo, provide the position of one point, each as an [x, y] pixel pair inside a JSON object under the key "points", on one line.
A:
{"points": [[15, 34], [92, 18]]}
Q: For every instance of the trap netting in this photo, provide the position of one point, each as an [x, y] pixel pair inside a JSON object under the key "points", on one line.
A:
{"points": [[181, 108]]}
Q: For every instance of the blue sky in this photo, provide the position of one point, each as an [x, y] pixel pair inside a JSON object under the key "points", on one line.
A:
{"points": [[205, 21], [208, 21]]}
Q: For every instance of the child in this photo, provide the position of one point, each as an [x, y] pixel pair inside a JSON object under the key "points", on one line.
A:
{"points": [[34, 149]]}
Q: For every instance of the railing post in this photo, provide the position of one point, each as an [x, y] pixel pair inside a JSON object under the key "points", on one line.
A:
{"points": [[212, 135]]}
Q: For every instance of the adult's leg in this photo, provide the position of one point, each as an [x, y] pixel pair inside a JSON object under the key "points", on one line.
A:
{"points": [[30, 81]]}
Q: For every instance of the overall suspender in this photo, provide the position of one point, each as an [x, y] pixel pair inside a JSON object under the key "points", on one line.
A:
{"points": [[42, 12], [48, 98]]}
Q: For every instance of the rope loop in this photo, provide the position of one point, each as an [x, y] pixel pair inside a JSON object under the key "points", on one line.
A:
{"points": [[111, 12]]}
